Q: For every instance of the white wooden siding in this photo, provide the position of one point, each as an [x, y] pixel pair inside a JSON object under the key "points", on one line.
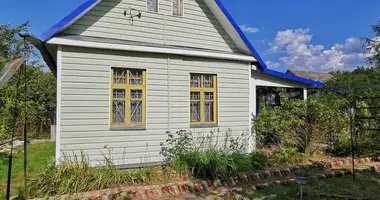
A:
{"points": [[261, 79], [198, 28], [86, 106]]}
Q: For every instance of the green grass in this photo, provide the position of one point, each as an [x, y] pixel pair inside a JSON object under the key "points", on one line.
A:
{"points": [[366, 186], [39, 155]]}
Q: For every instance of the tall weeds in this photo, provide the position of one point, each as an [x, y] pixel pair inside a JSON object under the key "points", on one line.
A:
{"points": [[75, 175]]}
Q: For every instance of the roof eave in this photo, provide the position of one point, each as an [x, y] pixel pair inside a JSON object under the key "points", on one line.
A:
{"points": [[294, 78], [69, 19], [46, 56]]}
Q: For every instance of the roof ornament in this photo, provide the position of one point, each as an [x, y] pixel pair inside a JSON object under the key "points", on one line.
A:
{"points": [[132, 15]]}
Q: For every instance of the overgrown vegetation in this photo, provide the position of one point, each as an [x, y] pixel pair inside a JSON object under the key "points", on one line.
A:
{"points": [[75, 175], [301, 124], [203, 157], [40, 85], [209, 159], [39, 156], [365, 187]]}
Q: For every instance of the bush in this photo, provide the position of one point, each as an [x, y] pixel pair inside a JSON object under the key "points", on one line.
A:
{"points": [[259, 160], [302, 125], [205, 159], [341, 147], [287, 156]]}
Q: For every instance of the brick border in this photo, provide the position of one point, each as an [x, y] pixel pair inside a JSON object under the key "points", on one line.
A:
{"points": [[203, 186]]}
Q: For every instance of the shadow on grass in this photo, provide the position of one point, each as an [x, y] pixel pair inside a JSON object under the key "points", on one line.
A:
{"points": [[4, 158]]}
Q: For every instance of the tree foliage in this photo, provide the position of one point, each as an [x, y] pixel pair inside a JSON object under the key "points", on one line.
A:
{"points": [[373, 45], [301, 124], [40, 85]]}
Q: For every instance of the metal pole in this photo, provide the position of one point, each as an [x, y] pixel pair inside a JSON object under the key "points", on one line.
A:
{"points": [[12, 138], [25, 119], [352, 142]]}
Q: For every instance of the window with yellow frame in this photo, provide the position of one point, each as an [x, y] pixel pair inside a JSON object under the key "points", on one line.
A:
{"points": [[128, 104], [203, 99]]}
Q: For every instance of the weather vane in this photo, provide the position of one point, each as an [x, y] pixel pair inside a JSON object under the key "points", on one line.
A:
{"points": [[132, 15]]}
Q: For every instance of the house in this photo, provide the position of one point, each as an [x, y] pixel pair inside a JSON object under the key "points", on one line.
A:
{"points": [[317, 76], [129, 71]]}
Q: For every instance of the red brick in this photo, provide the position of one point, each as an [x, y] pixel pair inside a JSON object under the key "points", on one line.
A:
{"points": [[93, 197], [209, 183], [198, 187], [150, 194], [165, 190], [135, 196], [172, 190]]}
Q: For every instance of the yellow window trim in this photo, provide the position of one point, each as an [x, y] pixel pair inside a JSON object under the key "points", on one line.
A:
{"points": [[128, 88], [202, 100]]}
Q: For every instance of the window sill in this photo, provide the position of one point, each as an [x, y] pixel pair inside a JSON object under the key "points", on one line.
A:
{"points": [[179, 16], [204, 125], [128, 128]]}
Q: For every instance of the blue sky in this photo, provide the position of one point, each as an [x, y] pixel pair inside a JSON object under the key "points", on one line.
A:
{"points": [[319, 35]]}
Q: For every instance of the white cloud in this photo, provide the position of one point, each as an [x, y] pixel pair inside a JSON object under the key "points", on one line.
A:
{"points": [[300, 54], [272, 65], [249, 29]]}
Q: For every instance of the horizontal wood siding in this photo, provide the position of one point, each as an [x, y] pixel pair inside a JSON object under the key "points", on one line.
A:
{"points": [[198, 28], [86, 105]]}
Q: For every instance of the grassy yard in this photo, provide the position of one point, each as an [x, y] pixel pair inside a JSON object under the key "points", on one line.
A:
{"points": [[366, 186], [39, 155]]}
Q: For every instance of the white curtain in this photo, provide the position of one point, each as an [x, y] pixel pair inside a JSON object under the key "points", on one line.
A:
{"points": [[153, 5]]}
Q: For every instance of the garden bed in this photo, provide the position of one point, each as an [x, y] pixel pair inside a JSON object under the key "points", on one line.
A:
{"points": [[255, 184]]}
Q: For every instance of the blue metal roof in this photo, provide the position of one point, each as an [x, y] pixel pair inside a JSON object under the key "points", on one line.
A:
{"points": [[70, 18], [56, 28]]}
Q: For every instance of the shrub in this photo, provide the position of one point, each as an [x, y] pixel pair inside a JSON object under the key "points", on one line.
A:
{"points": [[259, 160], [341, 147], [287, 156], [301, 124], [205, 159]]}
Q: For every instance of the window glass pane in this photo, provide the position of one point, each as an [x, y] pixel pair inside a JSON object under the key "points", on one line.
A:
{"points": [[119, 94], [136, 111], [209, 107], [209, 96], [195, 96], [153, 5], [195, 80], [209, 111], [208, 81], [178, 7], [118, 111], [136, 106], [136, 94], [135, 77], [119, 76], [195, 107]]}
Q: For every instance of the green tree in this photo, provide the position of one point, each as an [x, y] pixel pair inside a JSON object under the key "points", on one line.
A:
{"points": [[10, 43], [303, 125], [40, 84], [373, 45]]}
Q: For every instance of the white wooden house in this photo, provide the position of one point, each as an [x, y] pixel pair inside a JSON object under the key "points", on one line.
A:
{"points": [[128, 71]]}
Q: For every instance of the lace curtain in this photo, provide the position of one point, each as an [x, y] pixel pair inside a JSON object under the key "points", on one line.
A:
{"points": [[178, 7], [153, 5]]}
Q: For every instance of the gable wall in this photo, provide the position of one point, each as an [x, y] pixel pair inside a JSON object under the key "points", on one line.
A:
{"points": [[198, 27], [85, 98]]}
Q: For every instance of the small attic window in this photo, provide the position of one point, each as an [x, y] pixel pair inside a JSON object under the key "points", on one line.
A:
{"points": [[152, 5], [178, 7]]}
